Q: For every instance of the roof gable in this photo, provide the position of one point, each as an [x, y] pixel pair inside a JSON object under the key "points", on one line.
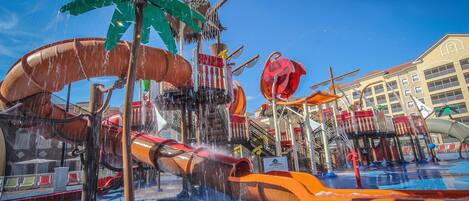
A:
{"points": [[444, 38]]}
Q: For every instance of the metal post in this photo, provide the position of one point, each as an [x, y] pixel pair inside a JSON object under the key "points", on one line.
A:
{"points": [[159, 182], [293, 143], [91, 166], [340, 145], [67, 108], [181, 38], [278, 146], [310, 139], [412, 144], [399, 149], [327, 155], [184, 140]]}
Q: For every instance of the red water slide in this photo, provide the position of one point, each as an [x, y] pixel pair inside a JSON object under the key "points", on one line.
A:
{"points": [[48, 69]]}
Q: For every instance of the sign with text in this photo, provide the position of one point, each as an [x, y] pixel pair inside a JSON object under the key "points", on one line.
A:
{"points": [[275, 164]]}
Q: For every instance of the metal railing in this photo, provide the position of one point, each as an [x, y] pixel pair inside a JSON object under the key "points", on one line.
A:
{"points": [[259, 137]]}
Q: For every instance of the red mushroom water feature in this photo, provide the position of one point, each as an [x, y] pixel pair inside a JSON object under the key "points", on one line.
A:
{"points": [[288, 73]]}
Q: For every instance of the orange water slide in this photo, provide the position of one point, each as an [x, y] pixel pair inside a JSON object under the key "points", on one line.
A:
{"points": [[48, 69], [303, 186]]}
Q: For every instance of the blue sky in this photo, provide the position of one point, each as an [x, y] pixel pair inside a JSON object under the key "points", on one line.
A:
{"points": [[366, 34]]}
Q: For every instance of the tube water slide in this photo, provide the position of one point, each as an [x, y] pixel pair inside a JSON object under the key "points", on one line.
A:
{"points": [[48, 69], [451, 128]]}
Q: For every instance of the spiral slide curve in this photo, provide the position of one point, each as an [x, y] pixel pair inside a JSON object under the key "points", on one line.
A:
{"points": [[41, 72]]}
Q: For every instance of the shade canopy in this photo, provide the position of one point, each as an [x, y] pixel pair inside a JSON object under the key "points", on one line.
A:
{"points": [[316, 98]]}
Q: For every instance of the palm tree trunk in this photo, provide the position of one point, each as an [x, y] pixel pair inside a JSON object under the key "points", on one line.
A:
{"points": [[129, 91]]}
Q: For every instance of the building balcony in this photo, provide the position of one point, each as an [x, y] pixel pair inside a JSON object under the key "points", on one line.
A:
{"points": [[446, 87], [440, 75], [447, 100]]}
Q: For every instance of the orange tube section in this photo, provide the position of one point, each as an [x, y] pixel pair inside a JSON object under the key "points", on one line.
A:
{"points": [[199, 165], [238, 105], [49, 68]]}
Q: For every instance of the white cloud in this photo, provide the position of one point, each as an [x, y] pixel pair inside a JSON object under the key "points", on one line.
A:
{"points": [[250, 98], [8, 20], [6, 51]]}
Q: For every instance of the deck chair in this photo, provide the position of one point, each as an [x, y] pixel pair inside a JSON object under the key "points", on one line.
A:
{"points": [[11, 183], [28, 183], [44, 181], [73, 178]]}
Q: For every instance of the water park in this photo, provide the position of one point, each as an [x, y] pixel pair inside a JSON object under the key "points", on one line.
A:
{"points": [[171, 122]]}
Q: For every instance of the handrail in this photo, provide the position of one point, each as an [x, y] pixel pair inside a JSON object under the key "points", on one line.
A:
{"points": [[258, 133]]}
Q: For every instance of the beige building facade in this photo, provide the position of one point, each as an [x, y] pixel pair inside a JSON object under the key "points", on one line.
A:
{"points": [[438, 77]]}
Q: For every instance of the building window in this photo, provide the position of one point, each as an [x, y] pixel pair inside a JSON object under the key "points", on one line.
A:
{"points": [[396, 107], [447, 96], [391, 85], [379, 89], [410, 104], [22, 139], [370, 102], [381, 99], [466, 77], [392, 97], [356, 95], [368, 92], [405, 82], [415, 78], [464, 63], [418, 90], [460, 108], [406, 92], [443, 83], [439, 71]]}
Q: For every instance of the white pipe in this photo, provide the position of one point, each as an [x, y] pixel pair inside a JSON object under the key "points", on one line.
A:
{"points": [[293, 143], [327, 154], [310, 143], [278, 146]]}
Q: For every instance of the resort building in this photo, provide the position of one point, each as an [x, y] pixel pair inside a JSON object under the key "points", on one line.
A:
{"points": [[439, 77]]}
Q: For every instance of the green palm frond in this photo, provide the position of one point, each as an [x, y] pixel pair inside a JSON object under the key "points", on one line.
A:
{"points": [[77, 7], [154, 16], [121, 20], [181, 11]]}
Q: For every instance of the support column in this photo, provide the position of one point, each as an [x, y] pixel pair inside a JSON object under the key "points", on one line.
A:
{"points": [[293, 143], [278, 146], [184, 140], [419, 148], [412, 144], [310, 143], [327, 155], [384, 145], [399, 149], [91, 165]]}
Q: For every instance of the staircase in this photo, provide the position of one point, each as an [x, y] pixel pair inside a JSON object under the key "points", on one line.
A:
{"points": [[260, 142]]}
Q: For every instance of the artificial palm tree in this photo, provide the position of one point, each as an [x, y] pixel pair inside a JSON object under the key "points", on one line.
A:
{"points": [[143, 14]]}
